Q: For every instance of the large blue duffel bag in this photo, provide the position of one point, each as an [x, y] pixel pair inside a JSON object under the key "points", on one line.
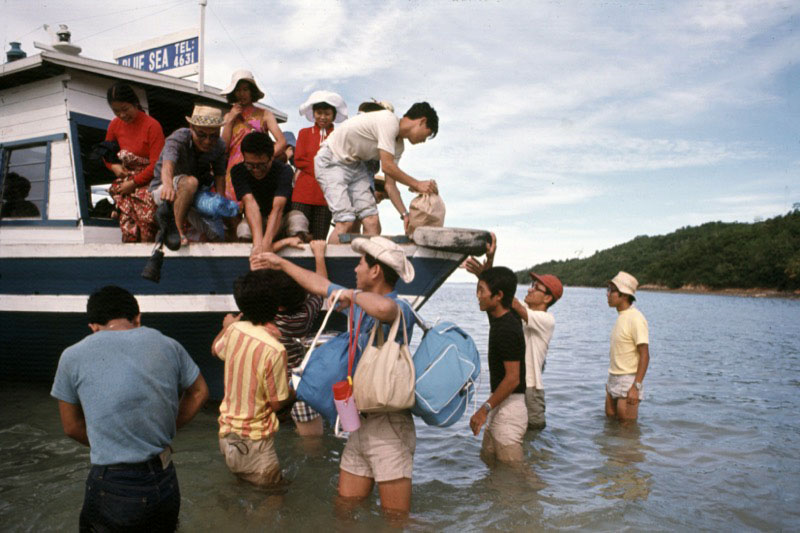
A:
{"points": [[314, 378], [446, 364]]}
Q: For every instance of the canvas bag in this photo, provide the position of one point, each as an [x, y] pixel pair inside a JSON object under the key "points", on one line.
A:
{"points": [[384, 378], [425, 210], [314, 378]]}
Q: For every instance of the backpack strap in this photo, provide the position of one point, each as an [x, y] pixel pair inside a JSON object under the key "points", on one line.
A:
{"points": [[298, 372]]}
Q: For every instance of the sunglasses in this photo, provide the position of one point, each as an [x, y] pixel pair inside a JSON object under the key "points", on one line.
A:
{"points": [[203, 135], [256, 166], [537, 287]]}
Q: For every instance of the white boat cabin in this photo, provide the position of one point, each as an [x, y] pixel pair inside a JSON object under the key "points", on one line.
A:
{"points": [[53, 111]]}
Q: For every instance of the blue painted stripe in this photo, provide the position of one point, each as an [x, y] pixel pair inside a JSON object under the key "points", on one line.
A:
{"points": [[180, 275]]}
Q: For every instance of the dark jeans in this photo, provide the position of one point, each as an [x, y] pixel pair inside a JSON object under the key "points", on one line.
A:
{"points": [[140, 497]]}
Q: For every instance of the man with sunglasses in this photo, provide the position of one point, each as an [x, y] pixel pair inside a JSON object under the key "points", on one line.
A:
{"points": [[264, 186], [193, 159]]}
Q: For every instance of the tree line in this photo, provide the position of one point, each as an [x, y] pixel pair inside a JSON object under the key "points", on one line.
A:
{"points": [[718, 255]]}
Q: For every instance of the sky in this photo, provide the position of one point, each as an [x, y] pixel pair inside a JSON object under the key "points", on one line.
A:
{"points": [[565, 127]]}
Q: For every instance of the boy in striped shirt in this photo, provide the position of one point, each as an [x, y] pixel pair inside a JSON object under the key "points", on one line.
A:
{"points": [[256, 385]]}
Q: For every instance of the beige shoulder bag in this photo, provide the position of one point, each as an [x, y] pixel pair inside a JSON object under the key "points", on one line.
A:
{"points": [[384, 378]]}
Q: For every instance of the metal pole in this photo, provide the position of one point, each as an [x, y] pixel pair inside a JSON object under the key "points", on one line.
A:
{"points": [[202, 43]]}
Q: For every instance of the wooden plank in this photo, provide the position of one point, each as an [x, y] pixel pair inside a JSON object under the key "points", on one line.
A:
{"points": [[88, 104], [32, 115], [62, 205], [49, 88], [62, 185], [39, 234], [60, 156], [32, 130], [97, 86]]}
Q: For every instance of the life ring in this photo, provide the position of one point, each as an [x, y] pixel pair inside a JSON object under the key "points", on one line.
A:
{"points": [[459, 240]]}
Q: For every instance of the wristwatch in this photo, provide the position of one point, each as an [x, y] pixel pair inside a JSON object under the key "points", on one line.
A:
{"points": [[638, 385], [404, 215], [487, 407]]}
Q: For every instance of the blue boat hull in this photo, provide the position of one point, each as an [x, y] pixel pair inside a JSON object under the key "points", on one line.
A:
{"points": [[43, 297]]}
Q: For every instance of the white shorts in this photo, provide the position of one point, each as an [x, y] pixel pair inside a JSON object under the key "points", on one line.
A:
{"points": [[507, 423], [346, 186], [619, 384], [382, 448]]}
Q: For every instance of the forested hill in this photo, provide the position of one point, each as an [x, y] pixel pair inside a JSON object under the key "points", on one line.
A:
{"points": [[716, 255]]}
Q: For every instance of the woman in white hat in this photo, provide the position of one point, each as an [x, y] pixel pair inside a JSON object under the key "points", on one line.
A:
{"points": [[323, 108], [243, 118]]}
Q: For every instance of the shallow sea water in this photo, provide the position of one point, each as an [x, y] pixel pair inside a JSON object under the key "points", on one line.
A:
{"points": [[717, 445]]}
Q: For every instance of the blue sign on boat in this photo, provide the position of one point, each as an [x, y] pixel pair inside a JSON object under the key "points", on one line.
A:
{"points": [[164, 57]]}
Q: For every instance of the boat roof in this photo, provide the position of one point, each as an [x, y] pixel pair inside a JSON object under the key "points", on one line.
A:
{"points": [[48, 64]]}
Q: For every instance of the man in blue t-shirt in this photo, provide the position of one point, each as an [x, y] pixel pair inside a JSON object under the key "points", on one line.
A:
{"points": [[264, 186], [382, 449], [117, 392]]}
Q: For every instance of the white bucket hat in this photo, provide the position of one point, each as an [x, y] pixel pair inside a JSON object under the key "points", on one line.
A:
{"points": [[245, 75], [625, 283], [388, 253], [205, 116], [328, 97]]}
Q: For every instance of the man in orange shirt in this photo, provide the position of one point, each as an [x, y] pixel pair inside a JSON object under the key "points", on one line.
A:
{"points": [[256, 385]]}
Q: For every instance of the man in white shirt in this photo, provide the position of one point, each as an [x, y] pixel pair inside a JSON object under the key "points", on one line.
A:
{"points": [[538, 324], [343, 176]]}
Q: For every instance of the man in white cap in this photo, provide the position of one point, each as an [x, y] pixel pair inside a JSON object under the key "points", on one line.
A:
{"points": [[629, 352], [193, 158], [382, 449]]}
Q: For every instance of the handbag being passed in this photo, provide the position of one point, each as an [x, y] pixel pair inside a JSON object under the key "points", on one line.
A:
{"points": [[384, 378]]}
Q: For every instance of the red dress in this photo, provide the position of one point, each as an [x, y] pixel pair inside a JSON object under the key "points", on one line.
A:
{"points": [[306, 189]]}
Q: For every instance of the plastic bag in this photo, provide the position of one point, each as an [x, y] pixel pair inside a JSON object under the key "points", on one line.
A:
{"points": [[214, 205]]}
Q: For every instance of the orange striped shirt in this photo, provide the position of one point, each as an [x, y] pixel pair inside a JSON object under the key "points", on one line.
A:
{"points": [[255, 373]]}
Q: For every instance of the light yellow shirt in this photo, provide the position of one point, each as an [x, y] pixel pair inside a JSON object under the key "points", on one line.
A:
{"points": [[538, 331], [359, 138], [629, 331]]}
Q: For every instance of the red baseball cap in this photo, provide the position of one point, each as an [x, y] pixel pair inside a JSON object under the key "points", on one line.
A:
{"points": [[552, 283]]}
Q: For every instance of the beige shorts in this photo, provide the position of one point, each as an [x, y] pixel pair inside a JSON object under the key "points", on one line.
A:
{"points": [[254, 461], [507, 424], [619, 384], [383, 447]]}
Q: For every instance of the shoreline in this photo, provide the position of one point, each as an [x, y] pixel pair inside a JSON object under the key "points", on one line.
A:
{"points": [[745, 293]]}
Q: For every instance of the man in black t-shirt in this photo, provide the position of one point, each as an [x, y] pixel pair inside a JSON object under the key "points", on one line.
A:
{"points": [[264, 186], [504, 413]]}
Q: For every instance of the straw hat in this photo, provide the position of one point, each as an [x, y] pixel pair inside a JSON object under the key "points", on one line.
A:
{"points": [[552, 283], [388, 253], [328, 97], [205, 116], [625, 283], [245, 75]]}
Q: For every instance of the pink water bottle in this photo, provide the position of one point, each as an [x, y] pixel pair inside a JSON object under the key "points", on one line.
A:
{"points": [[346, 406]]}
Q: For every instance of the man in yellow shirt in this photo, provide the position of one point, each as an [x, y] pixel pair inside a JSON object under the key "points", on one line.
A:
{"points": [[629, 352]]}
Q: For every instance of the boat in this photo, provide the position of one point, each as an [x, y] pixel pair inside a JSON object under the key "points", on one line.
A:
{"points": [[52, 112]]}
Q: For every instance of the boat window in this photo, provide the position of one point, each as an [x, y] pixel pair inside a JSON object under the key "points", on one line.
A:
{"points": [[93, 178], [24, 181]]}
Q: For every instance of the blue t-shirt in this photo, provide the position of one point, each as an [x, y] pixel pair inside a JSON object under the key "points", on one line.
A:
{"points": [[369, 322], [127, 383]]}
